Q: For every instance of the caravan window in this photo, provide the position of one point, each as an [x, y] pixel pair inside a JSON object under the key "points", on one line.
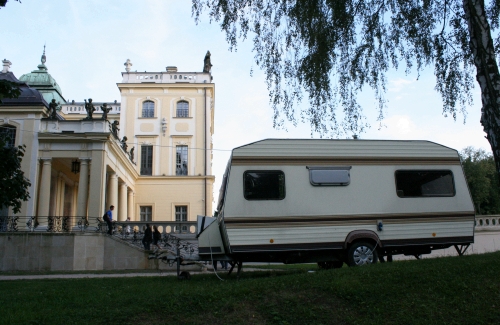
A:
{"points": [[264, 185], [424, 183], [329, 176]]}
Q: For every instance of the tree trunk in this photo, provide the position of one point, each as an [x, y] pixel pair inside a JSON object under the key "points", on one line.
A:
{"points": [[488, 76]]}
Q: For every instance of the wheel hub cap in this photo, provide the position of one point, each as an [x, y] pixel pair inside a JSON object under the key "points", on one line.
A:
{"points": [[363, 255]]}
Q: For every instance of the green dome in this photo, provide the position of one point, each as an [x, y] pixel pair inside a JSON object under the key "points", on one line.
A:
{"points": [[42, 81]]}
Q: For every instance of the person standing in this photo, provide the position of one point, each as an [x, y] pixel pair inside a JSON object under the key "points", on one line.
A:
{"points": [[156, 237], [108, 218], [148, 237], [128, 229]]}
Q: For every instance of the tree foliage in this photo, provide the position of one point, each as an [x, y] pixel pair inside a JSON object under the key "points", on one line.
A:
{"points": [[4, 2], [479, 168], [13, 184], [332, 49], [8, 89]]}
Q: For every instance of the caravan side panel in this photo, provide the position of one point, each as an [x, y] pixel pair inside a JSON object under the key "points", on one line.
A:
{"points": [[320, 217]]}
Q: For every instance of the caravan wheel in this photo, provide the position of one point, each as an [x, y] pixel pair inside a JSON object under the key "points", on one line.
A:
{"points": [[361, 253]]}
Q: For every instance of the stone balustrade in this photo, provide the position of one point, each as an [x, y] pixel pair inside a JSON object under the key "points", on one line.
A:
{"points": [[487, 222], [93, 224], [166, 77], [128, 228], [77, 126]]}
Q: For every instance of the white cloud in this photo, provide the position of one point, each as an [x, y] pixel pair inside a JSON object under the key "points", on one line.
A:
{"points": [[399, 84]]}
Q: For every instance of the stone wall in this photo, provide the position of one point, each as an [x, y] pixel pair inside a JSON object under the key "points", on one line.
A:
{"points": [[26, 251]]}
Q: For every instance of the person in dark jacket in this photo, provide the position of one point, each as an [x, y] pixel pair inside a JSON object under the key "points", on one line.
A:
{"points": [[156, 237], [148, 237]]}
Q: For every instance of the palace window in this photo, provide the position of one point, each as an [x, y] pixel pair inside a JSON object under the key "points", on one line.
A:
{"points": [[8, 132], [182, 109], [148, 109], [146, 213], [146, 160], [181, 216], [181, 160]]}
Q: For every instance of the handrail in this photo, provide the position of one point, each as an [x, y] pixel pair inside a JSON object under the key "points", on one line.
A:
{"points": [[64, 224]]}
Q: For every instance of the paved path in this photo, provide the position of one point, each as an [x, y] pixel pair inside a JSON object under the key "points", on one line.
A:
{"points": [[115, 275]]}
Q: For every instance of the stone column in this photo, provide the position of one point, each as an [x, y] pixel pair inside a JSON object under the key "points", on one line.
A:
{"points": [[61, 192], [44, 194], [75, 199], [122, 210], [97, 182], [130, 208], [113, 193], [83, 188]]}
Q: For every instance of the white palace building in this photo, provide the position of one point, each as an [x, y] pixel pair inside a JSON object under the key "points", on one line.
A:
{"points": [[150, 156]]}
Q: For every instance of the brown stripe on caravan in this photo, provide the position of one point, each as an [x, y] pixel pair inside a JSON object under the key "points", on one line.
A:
{"points": [[339, 223], [286, 247], [429, 241], [252, 161], [233, 222]]}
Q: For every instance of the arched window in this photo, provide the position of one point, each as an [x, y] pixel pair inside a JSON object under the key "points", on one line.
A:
{"points": [[182, 109], [148, 109], [8, 133]]}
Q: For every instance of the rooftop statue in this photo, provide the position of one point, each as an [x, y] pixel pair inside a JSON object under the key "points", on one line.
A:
{"points": [[114, 128], [207, 64], [124, 143], [105, 110], [53, 106], [131, 154], [89, 107], [127, 65]]}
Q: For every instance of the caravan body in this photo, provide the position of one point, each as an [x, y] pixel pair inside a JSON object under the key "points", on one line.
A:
{"points": [[308, 200]]}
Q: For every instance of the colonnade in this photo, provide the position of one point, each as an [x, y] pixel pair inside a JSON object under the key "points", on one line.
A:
{"points": [[118, 194], [121, 196]]}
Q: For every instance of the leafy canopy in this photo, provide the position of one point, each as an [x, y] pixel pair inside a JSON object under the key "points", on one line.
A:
{"points": [[13, 184], [332, 49], [482, 178], [8, 89]]}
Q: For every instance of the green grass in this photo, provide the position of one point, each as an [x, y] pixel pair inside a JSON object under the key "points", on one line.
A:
{"points": [[21, 273], [455, 290]]}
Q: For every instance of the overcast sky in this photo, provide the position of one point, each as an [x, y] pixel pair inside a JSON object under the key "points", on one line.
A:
{"points": [[88, 42]]}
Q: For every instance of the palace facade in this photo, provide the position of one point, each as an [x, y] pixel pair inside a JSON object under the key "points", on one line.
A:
{"points": [[149, 155]]}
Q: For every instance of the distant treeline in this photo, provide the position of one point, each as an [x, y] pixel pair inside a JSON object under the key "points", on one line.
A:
{"points": [[479, 167]]}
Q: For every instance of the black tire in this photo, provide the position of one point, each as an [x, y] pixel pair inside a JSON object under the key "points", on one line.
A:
{"points": [[361, 253]]}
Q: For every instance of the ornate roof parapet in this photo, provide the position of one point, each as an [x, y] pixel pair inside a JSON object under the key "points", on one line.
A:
{"points": [[171, 75]]}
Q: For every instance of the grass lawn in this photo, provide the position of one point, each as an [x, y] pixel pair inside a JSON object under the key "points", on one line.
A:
{"points": [[454, 290]]}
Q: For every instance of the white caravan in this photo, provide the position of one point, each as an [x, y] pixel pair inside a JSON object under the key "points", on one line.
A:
{"points": [[336, 201]]}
